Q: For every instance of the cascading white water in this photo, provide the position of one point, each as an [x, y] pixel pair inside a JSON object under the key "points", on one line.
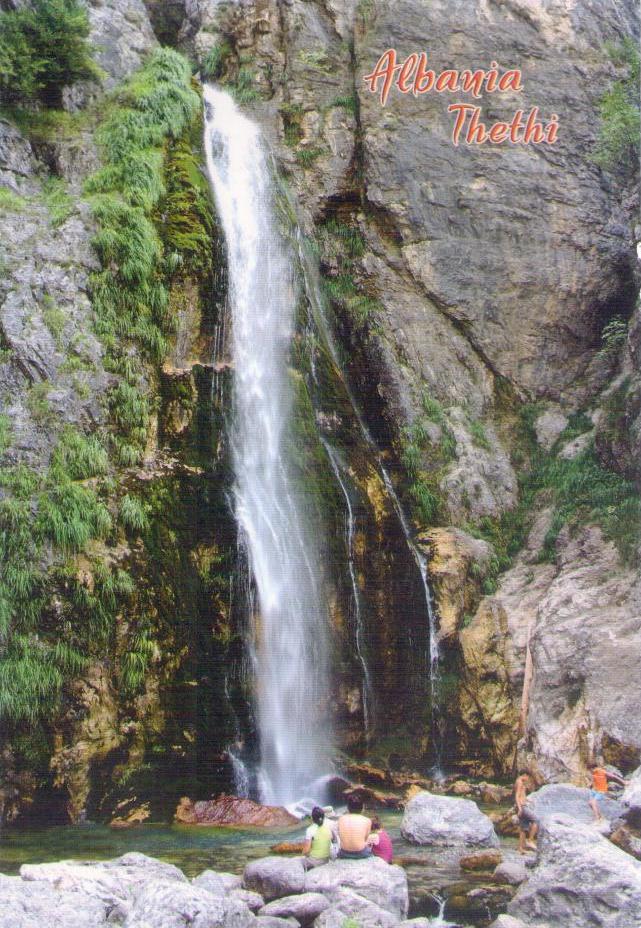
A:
{"points": [[290, 634]]}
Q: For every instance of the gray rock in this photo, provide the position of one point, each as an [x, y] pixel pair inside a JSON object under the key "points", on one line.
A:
{"points": [[39, 905], [121, 34], [274, 877], [508, 921], [631, 798], [272, 921], [513, 872], [253, 901], [420, 922], [304, 908], [212, 882], [158, 904], [563, 798], [445, 820], [230, 880], [580, 879], [549, 426], [373, 879], [348, 904]]}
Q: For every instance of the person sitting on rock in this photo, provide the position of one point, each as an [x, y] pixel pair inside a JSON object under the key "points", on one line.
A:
{"points": [[380, 841], [528, 827], [318, 840], [599, 787], [354, 830]]}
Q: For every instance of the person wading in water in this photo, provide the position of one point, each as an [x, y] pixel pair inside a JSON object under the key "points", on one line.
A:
{"points": [[527, 823]]}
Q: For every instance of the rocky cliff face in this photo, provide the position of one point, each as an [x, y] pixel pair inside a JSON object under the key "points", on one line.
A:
{"points": [[467, 288]]}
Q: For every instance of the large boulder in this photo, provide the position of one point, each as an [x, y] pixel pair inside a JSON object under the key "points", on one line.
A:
{"points": [[565, 799], [304, 908], [445, 820], [39, 905], [159, 904], [580, 879], [382, 884], [350, 905], [111, 882], [274, 877]]}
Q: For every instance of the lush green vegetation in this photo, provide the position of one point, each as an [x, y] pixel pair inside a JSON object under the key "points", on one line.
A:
{"points": [[308, 155], [620, 129], [44, 48], [215, 60], [344, 244], [154, 227], [579, 490], [130, 293]]}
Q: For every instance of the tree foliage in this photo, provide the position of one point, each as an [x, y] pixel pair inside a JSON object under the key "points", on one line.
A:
{"points": [[44, 48]]}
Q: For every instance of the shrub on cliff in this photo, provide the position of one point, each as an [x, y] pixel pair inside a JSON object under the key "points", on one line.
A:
{"points": [[44, 48], [618, 143]]}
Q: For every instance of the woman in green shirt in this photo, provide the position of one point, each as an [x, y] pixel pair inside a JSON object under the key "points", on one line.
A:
{"points": [[318, 840]]}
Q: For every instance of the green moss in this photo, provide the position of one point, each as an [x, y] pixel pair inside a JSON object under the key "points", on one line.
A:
{"points": [[133, 515], [349, 103], [5, 432], [292, 116], [243, 88], [316, 60]]}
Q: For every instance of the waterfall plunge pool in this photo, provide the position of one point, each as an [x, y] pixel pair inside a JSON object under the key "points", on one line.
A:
{"points": [[431, 873]]}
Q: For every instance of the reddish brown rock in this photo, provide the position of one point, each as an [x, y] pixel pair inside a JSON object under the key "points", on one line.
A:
{"points": [[505, 823], [492, 793], [287, 847], [483, 860], [230, 810], [375, 799]]}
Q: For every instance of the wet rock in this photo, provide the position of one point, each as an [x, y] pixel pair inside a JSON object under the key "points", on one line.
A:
{"points": [[383, 884], [304, 908], [349, 904], [461, 788], [177, 905], [230, 810], [513, 872], [444, 820], [580, 879], [370, 775], [570, 800], [492, 793], [374, 798], [505, 823], [484, 860], [131, 817], [274, 877]]}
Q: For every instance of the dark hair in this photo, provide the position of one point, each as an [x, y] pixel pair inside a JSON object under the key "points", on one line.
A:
{"points": [[376, 823], [354, 804], [318, 816]]}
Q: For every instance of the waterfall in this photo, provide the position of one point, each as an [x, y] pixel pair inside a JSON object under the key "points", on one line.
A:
{"points": [[289, 647]]}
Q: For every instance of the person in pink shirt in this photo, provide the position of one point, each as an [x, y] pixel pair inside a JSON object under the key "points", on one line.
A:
{"points": [[380, 841]]}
